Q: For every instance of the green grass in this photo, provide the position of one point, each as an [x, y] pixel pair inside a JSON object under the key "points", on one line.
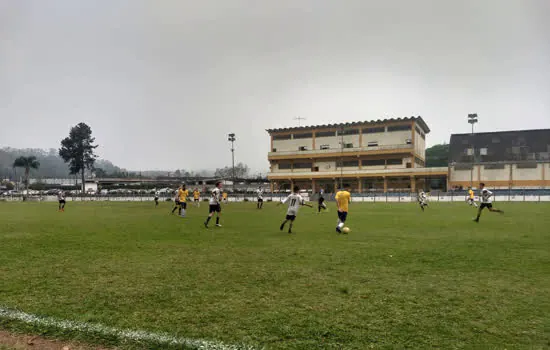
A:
{"points": [[400, 279]]}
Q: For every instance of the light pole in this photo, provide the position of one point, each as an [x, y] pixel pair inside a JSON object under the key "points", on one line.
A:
{"points": [[231, 138], [472, 119], [341, 157]]}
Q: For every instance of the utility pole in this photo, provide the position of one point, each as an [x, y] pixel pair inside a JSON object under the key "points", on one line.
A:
{"points": [[472, 119], [231, 138], [299, 119], [341, 132]]}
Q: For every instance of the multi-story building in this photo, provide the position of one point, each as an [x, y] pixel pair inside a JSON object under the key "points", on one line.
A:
{"points": [[379, 155], [502, 160]]}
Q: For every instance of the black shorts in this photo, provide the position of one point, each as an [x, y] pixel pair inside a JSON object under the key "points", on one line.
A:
{"points": [[486, 205], [321, 200], [177, 202], [291, 217], [61, 201], [183, 204], [342, 215], [214, 208], [156, 198], [196, 199], [260, 200]]}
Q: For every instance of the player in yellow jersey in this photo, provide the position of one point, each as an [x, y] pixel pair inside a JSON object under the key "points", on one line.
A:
{"points": [[224, 197], [471, 197], [196, 197], [182, 196], [343, 197]]}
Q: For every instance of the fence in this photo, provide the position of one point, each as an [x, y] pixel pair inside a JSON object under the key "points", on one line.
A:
{"points": [[388, 197]]}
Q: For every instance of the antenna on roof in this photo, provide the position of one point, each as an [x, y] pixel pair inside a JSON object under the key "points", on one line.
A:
{"points": [[299, 119]]}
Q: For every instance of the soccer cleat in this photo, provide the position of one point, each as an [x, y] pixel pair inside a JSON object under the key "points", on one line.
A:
{"points": [[476, 220], [206, 224], [282, 227], [338, 229], [289, 231], [218, 225]]}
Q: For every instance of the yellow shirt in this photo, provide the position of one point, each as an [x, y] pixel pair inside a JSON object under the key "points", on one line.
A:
{"points": [[183, 195], [196, 194], [471, 194], [343, 198], [224, 195]]}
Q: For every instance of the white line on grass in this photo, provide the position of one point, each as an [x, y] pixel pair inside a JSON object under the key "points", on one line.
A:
{"points": [[121, 334]]}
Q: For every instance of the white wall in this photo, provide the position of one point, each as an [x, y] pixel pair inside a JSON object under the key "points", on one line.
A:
{"points": [[292, 145], [392, 138], [527, 174], [332, 141], [419, 145], [462, 175], [326, 165], [494, 174]]}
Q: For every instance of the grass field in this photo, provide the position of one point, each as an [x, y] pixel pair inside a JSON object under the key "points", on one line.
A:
{"points": [[400, 279]]}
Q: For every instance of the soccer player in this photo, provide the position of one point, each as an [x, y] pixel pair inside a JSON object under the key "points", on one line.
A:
{"points": [[260, 195], [471, 197], [343, 197], [197, 197], [224, 197], [156, 198], [294, 201], [321, 201], [61, 200], [177, 203], [486, 202], [214, 205], [182, 194], [422, 199]]}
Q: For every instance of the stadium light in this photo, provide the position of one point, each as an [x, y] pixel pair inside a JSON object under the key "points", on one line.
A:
{"points": [[231, 138], [472, 119]]}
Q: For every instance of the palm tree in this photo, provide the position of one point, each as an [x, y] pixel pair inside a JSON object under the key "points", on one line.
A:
{"points": [[27, 163]]}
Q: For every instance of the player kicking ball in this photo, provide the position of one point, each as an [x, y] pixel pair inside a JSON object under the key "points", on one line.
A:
{"points": [[343, 198], [486, 202], [295, 200], [422, 200]]}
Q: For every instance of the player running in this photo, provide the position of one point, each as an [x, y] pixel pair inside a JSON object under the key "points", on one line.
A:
{"points": [[196, 197], [295, 200], [260, 195], [224, 197], [343, 198], [176, 200], [214, 205], [61, 200], [157, 194], [486, 202], [471, 197], [422, 200], [321, 201]]}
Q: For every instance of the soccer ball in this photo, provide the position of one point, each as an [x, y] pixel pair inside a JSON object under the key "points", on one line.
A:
{"points": [[346, 230]]}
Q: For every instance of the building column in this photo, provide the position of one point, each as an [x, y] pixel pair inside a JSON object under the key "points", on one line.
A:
{"points": [[313, 186], [335, 186], [413, 184], [385, 184], [271, 186], [478, 174], [359, 185], [291, 185], [511, 180]]}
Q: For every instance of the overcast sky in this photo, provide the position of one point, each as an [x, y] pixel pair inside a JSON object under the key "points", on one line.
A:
{"points": [[162, 82]]}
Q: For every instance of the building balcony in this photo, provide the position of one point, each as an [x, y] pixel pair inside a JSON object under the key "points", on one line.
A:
{"points": [[333, 152], [355, 172]]}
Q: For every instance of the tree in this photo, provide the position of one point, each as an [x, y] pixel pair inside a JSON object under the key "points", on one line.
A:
{"points": [[100, 173], [241, 171], [437, 156], [26, 163], [78, 150]]}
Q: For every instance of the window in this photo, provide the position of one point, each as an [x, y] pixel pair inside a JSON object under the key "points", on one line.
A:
{"points": [[373, 162], [325, 133], [419, 161], [409, 165], [496, 139], [274, 150], [324, 147], [348, 145], [315, 168], [303, 165], [281, 137], [526, 165], [349, 132], [285, 166], [399, 127], [349, 163], [307, 135], [372, 144], [465, 142], [483, 151], [374, 130], [408, 141], [418, 130], [516, 150], [469, 151], [493, 166], [463, 167], [302, 148], [395, 161]]}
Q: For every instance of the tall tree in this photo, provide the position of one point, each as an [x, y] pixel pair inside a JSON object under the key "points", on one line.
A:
{"points": [[437, 156], [26, 163], [78, 150]]}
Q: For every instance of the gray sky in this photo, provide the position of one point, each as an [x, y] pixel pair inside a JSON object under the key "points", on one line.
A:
{"points": [[162, 82]]}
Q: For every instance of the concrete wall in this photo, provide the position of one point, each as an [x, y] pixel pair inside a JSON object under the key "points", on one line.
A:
{"points": [[419, 145], [292, 145], [527, 174], [331, 141]]}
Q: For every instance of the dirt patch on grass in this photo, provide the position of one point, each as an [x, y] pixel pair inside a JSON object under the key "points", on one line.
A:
{"points": [[27, 342]]}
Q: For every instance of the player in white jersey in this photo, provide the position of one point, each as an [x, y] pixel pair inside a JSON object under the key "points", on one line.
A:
{"points": [[260, 194], [422, 200], [294, 202], [486, 202], [214, 205], [157, 195], [321, 201], [61, 199]]}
